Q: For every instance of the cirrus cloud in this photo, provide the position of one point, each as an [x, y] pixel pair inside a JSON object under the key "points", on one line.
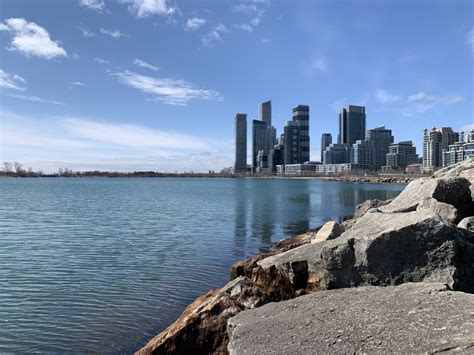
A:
{"points": [[11, 81], [147, 8], [31, 39], [96, 5], [167, 90], [194, 23]]}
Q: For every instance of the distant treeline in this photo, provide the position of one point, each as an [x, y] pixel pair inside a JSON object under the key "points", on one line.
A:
{"points": [[16, 169]]}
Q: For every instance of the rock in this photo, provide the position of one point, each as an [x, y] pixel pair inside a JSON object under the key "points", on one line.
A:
{"points": [[330, 230], [411, 318], [380, 249], [464, 168], [447, 212], [362, 209], [201, 329], [452, 190], [246, 266], [467, 223]]}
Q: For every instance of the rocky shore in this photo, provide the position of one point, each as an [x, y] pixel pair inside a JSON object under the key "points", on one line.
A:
{"points": [[398, 276]]}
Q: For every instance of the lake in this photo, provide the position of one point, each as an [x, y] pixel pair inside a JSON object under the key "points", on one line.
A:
{"points": [[102, 265]]}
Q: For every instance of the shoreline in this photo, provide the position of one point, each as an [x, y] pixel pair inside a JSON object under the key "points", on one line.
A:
{"points": [[424, 237]]}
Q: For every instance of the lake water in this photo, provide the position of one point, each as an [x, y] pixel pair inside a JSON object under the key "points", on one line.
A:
{"points": [[102, 265]]}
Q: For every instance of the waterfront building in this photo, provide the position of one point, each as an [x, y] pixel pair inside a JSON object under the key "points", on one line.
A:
{"points": [[276, 156], [301, 116], [459, 151], [301, 169], [400, 155], [327, 169], [434, 142], [326, 140], [259, 139], [270, 138], [363, 154], [240, 165], [382, 139], [262, 162], [352, 121], [336, 154], [291, 142]]}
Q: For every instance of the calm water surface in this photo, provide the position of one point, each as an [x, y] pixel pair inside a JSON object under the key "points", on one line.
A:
{"points": [[101, 265]]}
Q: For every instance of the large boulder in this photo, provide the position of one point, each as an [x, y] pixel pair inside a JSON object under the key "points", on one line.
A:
{"points": [[463, 169], [451, 190], [201, 329], [363, 208], [380, 249], [446, 211], [467, 223], [411, 318]]}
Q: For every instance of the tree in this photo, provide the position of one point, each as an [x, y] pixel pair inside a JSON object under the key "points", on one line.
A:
{"points": [[7, 167]]}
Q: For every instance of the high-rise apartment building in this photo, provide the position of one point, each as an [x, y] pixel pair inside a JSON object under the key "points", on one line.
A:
{"points": [[434, 142], [460, 150], [382, 139], [240, 165], [259, 140], [400, 155], [291, 142], [301, 116], [351, 124], [363, 154], [326, 141], [265, 112]]}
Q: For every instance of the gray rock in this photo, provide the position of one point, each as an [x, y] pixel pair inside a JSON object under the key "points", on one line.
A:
{"points": [[330, 230], [380, 249], [365, 207], [411, 318], [467, 223], [447, 212], [464, 168], [452, 190]]}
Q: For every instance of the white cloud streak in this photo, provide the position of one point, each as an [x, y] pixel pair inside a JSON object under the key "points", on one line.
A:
{"points": [[244, 27], [11, 81], [31, 39], [214, 36], [35, 99], [86, 33], [114, 34], [383, 97], [470, 40], [95, 5], [78, 83], [143, 64], [147, 8], [194, 23], [167, 90]]}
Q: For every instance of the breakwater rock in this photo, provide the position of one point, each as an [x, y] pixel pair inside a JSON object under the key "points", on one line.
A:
{"points": [[420, 246]]}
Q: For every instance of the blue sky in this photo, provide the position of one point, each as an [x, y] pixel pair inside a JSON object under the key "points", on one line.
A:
{"points": [[155, 84]]}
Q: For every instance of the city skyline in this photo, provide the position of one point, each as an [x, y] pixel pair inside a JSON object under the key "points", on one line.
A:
{"points": [[102, 84]]}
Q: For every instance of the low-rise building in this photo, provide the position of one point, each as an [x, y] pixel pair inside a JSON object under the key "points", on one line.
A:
{"points": [[326, 169]]}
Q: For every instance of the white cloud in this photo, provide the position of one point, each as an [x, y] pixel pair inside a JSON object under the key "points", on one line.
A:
{"points": [[316, 64], [246, 8], [384, 97], [35, 99], [114, 34], [96, 5], [100, 61], [86, 32], [146, 8], [467, 128], [11, 81], [454, 100], [167, 90], [470, 39], [90, 144], [31, 39], [420, 96], [144, 64], [214, 36], [244, 27], [78, 83], [422, 102], [194, 23], [266, 40]]}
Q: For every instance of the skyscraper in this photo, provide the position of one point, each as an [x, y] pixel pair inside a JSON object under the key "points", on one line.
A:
{"points": [[291, 142], [336, 154], [434, 142], [382, 139], [265, 112], [240, 165], [301, 116], [326, 140], [259, 140], [351, 124]]}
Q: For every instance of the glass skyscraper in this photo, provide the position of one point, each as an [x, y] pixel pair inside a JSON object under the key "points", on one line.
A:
{"points": [[351, 124]]}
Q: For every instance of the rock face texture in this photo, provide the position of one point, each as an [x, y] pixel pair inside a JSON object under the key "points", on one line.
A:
{"points": [[404, 319], [201, 329], [467, 223]]}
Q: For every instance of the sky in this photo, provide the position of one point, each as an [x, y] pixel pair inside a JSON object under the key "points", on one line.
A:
{"points": [[155, 84]]}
